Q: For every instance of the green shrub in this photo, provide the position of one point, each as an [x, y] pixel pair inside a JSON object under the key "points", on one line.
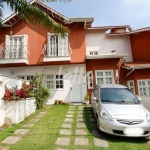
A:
{"points": [[38, 90]]}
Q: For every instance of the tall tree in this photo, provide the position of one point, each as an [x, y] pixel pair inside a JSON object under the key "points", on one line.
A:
{"points": [[32, 14]]}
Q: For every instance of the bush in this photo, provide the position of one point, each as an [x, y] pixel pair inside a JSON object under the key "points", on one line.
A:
{"points": [[38, 90], [17, 94]]}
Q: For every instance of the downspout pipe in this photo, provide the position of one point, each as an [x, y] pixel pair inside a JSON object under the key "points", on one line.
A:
{"points": [[130, 72]]}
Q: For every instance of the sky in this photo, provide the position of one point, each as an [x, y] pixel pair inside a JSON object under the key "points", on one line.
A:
{"points": [[135, 13]]}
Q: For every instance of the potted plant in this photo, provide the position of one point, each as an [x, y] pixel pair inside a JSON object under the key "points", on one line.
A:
{"points": [[87, 98]]}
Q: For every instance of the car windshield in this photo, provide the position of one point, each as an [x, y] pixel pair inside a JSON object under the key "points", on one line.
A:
{"points": [[118, 95]]}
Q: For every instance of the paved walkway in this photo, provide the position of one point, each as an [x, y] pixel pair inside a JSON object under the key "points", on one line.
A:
{"points": [[66, 129], [80, 130], [74, 125], [20, 132]]}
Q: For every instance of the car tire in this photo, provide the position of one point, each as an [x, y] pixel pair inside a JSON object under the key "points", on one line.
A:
{"points": [[98, 124]]}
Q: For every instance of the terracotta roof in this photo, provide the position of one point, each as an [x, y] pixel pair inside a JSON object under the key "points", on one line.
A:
{"points": [[112, 27], [131, 32], [136, 65]]}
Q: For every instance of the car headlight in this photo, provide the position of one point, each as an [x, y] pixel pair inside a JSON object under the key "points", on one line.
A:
{"points": [[105, 115], [147, 116]]}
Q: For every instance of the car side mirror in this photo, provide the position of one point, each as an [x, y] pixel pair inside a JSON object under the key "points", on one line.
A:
{"points": [[140, 99], [94, 98]]}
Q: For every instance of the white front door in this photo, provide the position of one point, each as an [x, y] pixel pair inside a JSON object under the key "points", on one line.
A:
{"points": [[76, 89]]}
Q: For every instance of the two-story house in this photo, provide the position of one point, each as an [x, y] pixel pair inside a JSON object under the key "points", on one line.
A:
{"points": [[72, 65], [107, 47], [137, 73], [26, 49]]}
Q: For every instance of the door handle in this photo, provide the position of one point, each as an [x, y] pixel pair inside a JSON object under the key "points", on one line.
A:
{"points": [[71, 88]]}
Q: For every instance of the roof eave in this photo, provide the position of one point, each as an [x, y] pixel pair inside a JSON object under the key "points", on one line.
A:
{"points": [[106, 56]]}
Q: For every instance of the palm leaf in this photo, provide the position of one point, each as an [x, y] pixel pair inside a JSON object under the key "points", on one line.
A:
{"points": [[34, 15]]}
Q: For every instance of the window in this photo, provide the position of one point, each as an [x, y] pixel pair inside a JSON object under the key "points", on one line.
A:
{"points": [[93, 52], [57, 45], [131, 85], [104, 76], [54, 81], [16, 46], [28, 77], [90, 79], [144, 87]]}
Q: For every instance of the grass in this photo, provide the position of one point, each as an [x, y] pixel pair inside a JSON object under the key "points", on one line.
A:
{"points": [[43, 135]]}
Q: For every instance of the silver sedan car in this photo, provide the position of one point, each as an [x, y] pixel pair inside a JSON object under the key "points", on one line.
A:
{"points": [[119, 111]]}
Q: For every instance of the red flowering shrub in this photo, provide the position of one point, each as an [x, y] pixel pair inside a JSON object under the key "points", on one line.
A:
{"points": [[16, 94]]}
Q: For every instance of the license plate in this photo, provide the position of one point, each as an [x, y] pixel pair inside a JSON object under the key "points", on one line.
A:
{"points": [[133, 131]]}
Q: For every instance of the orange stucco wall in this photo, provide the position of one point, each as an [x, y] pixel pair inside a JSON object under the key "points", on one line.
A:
{"points": [[138, 74], [101, 64], [37, 37], [140, 44]]}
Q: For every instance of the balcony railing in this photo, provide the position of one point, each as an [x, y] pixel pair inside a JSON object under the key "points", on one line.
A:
{"points": [[57, 50], [14, 52]]}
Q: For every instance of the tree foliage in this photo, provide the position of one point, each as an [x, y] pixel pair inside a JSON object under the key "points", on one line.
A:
{"points": [[32, 14], [39, 91]]}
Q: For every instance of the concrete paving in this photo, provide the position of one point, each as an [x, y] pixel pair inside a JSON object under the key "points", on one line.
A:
{"points": [[81, 132], [29, 125], [65, 132], [70, 112], [4, 148], [11, 140], [34, 120], [66, 126], [81, 141], [63, 141], [21, 131], [39, 116], [80, 125], [80, 115], [69, 115], [43, 113], [100, 143], [81, 120], [68, 120]]}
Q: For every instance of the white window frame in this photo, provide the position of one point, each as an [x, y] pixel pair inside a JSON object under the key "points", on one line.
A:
{"points": [[130, 86], [54, 81], [25, 77], [60, 47], [93, 53], [89, 79], [8, 46], [146, 85], [104, 77]]}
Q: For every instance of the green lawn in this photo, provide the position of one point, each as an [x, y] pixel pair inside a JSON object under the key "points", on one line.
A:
{"points": [[43, 135]]}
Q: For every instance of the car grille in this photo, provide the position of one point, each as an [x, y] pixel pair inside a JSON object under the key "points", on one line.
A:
{"points": [[130, 122]]}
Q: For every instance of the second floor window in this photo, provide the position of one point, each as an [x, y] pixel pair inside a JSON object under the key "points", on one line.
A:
{"points": [[16, 46], [57, 45]]}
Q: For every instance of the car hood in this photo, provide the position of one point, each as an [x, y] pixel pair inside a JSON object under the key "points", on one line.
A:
{"points": [[136, 111]]}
